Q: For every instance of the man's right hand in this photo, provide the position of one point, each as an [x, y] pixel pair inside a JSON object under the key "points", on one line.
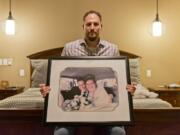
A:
{"points": [[44, 89]]}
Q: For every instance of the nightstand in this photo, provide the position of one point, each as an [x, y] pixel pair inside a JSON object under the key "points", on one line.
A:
{"points": [[10, 91], [171, 95]]}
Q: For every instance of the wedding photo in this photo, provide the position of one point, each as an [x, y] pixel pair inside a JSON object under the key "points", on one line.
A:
{"points": [[88, 89]]}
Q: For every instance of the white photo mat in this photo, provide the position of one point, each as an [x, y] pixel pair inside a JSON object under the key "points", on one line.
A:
{"points": [[122, 113]]}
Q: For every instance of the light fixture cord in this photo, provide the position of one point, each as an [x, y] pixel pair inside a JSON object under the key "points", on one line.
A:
{"points": [[9, 5], [157, 6], [157, 14], [10, 13]]}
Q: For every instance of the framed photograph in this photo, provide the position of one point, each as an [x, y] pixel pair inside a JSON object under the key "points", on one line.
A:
{"points": [[88, 90]]}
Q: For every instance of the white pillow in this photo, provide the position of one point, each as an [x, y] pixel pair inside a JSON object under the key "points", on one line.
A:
{"points": [[134, 66], [39, 74]]}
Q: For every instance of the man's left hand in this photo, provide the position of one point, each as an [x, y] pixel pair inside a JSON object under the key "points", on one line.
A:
{"points": [[131, 88]]}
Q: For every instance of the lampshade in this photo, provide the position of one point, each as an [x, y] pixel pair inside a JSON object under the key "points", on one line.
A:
{"points": [[10, 27], [157, 28], [10, 23], [156, 24]]}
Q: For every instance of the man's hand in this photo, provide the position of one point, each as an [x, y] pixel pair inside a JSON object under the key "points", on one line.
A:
{"points": [[131, 88], [44, 89]]}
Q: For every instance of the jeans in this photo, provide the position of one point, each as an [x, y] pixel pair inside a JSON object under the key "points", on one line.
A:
{"points": [[70, 131]]}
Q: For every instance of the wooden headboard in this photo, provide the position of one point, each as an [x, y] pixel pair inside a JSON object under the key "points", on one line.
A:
{"points": [[57, 52]]}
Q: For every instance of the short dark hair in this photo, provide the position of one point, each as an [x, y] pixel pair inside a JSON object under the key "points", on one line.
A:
{"points": [[92, 12], [80, 78], [90, 77]]}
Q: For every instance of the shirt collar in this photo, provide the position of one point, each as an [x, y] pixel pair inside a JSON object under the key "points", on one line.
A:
{"points": [[82, 42]]}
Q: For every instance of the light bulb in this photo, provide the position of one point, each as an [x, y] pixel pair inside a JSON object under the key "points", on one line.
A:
{"points": [[157, 28], [10, 27]]}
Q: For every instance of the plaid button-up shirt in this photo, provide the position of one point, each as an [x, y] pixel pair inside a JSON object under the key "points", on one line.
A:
{"points": [[80, 48]]}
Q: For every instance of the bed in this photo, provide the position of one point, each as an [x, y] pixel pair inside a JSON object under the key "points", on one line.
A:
{"points": [[32, 98], [154, 117]]}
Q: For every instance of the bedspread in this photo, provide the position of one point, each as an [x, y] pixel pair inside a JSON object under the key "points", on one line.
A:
{"points": [[32, 98]]}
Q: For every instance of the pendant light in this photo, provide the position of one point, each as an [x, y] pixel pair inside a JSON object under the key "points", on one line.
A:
{"points": [[10, 23], [157, 25]]}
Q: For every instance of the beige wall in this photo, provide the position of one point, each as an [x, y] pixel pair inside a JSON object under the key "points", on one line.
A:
{"points": [[43, 24]]}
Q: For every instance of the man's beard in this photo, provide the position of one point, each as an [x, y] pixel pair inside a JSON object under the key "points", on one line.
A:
{"points": [[93, 37]]}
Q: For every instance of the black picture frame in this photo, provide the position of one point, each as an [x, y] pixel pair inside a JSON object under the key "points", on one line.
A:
{"points": [[107, 102]]}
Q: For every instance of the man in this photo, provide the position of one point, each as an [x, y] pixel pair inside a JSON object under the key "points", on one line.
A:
{"points": [[91, 45], [75, 90], [79, 89], [81, 85], [76, 97]]}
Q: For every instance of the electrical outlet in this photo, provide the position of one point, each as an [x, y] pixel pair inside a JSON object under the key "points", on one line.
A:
{"points": [[21, 72], [148, 73], [1, 62], [9, 61]]}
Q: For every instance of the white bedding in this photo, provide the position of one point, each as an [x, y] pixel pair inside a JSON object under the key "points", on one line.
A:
{"points": [[32, 98], [150, 103], [143, 98]]}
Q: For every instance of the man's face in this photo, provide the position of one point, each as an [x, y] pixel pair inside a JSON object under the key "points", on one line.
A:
{"points": [[90, 85], [92, 26], [81, 85]]}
